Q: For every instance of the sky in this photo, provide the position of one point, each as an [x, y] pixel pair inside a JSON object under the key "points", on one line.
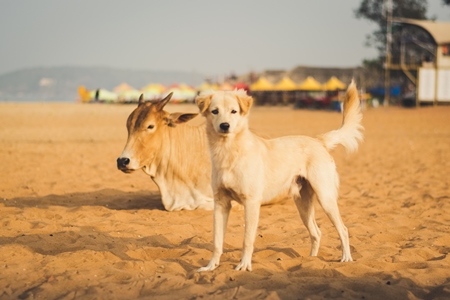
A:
{"points": [[212, 38]]}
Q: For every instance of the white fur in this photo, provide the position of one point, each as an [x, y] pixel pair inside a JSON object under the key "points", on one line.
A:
{"points": [[252, 170]]}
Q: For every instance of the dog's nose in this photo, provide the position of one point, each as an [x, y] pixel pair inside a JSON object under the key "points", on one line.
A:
{"points": [[225, 126], [122, 162]]}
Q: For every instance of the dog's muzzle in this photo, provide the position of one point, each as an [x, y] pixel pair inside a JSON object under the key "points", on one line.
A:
{"points": [[224, 127]]}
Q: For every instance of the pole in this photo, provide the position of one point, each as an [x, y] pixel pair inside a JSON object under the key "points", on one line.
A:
{"points": [[387, 68]]}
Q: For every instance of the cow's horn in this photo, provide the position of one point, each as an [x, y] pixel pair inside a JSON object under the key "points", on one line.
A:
{"points": [[164, 101]]}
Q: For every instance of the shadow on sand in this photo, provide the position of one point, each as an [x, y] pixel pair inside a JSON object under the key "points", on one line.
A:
{"points": [[110, 198]]}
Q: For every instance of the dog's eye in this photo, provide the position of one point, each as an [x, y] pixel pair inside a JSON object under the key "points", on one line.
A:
{"points": [[215, 111], [151, 126], [233, 111]]}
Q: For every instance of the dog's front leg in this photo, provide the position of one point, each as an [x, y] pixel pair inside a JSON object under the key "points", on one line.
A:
{"points": [[251, 225], [221, 213]]}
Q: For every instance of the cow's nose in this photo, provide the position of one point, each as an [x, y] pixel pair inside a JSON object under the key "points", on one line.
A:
{"points": [[122, 162], [225, 126]]}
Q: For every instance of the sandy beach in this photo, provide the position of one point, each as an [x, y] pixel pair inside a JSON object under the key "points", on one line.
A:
{"points": [[74, 227]]}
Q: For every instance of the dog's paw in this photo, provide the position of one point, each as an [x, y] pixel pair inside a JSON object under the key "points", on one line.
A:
{"points": [[346, 258], [205, 269], [211, 266], [244, 266]]}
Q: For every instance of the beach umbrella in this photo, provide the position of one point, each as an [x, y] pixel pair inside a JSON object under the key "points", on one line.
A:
{"points": [[334, 84], [310, 84], [262, 84], [285, 84]]}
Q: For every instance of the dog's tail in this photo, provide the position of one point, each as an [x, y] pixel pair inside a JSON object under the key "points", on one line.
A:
{"points": [[350, 132]]}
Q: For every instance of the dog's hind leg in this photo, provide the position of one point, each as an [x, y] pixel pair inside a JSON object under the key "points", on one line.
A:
{"points": [[221, 213], [326, 189], [304, 199]]}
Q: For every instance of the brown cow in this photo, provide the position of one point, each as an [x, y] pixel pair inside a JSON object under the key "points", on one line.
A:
{"points": [[173, 153]]}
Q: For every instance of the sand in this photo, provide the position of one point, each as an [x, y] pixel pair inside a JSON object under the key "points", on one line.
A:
{"points": [[74, 227]]}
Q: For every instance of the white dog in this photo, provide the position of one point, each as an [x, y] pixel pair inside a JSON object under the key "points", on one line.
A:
{"points": [[252, 170]]}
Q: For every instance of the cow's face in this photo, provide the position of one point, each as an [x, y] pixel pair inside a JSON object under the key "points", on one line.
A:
{"points": [[146, 126]]}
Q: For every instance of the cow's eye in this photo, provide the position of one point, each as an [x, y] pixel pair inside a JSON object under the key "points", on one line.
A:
{"points": [[233, 111], [151, 126], [215, 111]]}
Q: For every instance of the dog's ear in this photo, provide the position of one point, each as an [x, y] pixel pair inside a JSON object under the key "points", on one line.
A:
{"points": [[177, 118], [203, 102], [245, 102]]}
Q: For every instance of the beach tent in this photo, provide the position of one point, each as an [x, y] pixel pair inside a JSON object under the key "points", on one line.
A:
{"points": [[127, 93], [262, 84], [130, 95], [241, 86], [85, 95], [107, 96], [103, 95], [189, 92], [154, 87], [153, 91], [226, 87], [285, 84], [205, 86], [181, 93], [96, 95], [177, 94], [334, 84], [310, 84], [122, 88]]}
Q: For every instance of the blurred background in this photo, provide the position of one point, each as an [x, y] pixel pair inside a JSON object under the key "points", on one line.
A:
{"points": [[302, 53]]}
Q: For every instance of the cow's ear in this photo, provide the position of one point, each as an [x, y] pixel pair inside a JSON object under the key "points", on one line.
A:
{"points": [[160, 105], [203, 101], [245, 102], [179, 118]]}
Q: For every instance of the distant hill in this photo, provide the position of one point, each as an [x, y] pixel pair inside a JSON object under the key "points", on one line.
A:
{"points": [[61, 83]]}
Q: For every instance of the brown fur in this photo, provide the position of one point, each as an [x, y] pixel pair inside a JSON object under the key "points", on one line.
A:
{"points": [[172, 153]]}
